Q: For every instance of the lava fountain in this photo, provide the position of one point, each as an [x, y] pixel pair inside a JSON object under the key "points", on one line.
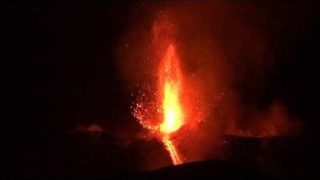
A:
{"points": [[165, 115], [169, 115], [170, 84]]}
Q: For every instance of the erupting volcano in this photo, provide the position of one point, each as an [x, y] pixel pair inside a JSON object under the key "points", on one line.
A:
{"points": [[189, 110], [170, 111], [169, 114], [170, 93], [170, 87]]}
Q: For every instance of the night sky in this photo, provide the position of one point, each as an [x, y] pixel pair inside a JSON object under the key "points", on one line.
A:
{"points": [[64, 74]]}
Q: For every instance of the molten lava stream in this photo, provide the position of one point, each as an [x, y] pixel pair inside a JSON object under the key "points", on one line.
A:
{"points": [[172, 150], [170, 86]]}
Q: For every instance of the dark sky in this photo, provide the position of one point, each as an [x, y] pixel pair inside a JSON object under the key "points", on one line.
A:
{"points": [[70, 47], [64, 72]]}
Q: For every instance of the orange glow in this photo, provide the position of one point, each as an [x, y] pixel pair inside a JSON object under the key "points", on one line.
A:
{"points": [[170, 84], [170, 89], [165, 113], [170, 107], [172, 151], [184, 82]]}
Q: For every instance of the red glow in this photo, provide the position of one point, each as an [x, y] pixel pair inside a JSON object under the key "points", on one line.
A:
{"points": [[170, 111]]}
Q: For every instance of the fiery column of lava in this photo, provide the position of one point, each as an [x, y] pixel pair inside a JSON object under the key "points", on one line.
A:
{"points": [[171, 115], [164, 114], [170, 85]]}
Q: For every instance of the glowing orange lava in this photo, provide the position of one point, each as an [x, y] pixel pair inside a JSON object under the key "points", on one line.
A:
{"points": [[163, 111], [172, 150], [170, 116], [170, 86]]}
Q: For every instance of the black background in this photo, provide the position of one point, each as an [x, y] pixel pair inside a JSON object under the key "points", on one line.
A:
{"points": [[64, 74]]}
